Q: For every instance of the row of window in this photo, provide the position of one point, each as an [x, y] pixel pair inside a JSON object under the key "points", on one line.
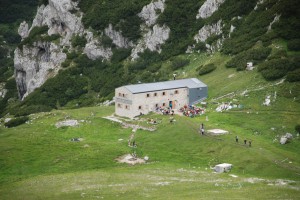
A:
{"points": [[163, 93], [121, 95], [127, 107], [121, 106], [148, 95]]}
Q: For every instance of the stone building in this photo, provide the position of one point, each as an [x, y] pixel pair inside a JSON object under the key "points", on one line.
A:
{"points": [[133, 100]]}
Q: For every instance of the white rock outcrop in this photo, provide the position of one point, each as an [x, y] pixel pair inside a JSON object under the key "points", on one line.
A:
{"points": [[154, 35], [94, 50], [208, 30], [276, 19], [258, 3], [34, 65], [57, 16], [208, 8], [23, 29], [152, 40], [117, 37], [149, 12], [3, 91]]}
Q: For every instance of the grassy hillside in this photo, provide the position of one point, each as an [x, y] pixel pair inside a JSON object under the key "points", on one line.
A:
{"points": [[38, 160]]}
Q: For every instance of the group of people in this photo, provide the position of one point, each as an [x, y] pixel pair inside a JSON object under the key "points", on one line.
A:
{"points": [[165, 111], [245, 141], [191, 111]]}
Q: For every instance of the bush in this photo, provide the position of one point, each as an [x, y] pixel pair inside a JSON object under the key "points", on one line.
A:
{"points": [[274, 69], [16, 122], [27, 110], [206, 69], [293, 76], [297, 128], [294, 45], [178, 63], [255, 55], [34, 35], [120, 54], [78, 41]]}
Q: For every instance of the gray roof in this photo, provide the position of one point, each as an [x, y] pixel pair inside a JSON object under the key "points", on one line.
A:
{"points": [[166, 85]]}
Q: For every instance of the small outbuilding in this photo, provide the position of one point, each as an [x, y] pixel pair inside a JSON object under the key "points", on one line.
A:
{"points": [[134, 100]]}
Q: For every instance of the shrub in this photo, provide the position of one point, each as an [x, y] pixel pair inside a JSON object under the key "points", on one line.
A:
{"points": [[274, 69], [293, 76], [206, 69], [16, 122], [120, 54], [255, 55], [66, 63], [78, 40], [106, 41], [34, 35], [178, 63], [200, 46], [50, 38], [27, 110], [294, 45], [297, 128]]}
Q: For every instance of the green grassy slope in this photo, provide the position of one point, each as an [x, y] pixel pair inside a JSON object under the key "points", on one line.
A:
{"points": [[38, 160]]}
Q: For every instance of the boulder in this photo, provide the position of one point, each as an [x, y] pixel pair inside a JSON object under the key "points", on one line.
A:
{"points": [[283, 140], [224, 167]]}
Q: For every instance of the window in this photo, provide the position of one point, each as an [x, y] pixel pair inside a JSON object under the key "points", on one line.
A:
{"points": [[123, 95], [164, 104], [148, 95], [156, 105], [127, 107], [164, 93], [119, 105], [176, 92], [155, 94], [140, 107], [120, 94]]}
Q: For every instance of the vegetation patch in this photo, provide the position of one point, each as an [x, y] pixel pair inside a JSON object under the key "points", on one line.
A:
{"points": [[16, 121], [178, 63], [205, 69], [253, 55]]}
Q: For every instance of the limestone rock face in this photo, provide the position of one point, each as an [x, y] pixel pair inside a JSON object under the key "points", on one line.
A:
{"points": [[34, 65], [117, 37], [276, 19], [208, 8], [154, 35], [149, 13], [3, 91], [209, 30], [23, 29], [59, 19], [93, 50], [152, 40]]}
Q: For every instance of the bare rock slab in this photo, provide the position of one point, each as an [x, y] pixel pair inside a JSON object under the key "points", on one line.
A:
{"points": [[217, 132], [224, 167]]}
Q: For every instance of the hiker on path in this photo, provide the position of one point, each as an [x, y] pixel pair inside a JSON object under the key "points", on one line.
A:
{"points": [[250, 142], [236, 139], [245, 141], [202, 131]]}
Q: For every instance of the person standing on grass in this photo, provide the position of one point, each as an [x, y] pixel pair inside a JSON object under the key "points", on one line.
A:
{"points": [[245, 141], [250, 142], [236, 139]]}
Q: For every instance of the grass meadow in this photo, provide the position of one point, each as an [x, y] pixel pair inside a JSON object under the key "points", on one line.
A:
{"points": [[38, 160]]}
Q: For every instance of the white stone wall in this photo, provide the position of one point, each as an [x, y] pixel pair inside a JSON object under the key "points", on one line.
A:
{"points": [[141, 103], [123, 102]]}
